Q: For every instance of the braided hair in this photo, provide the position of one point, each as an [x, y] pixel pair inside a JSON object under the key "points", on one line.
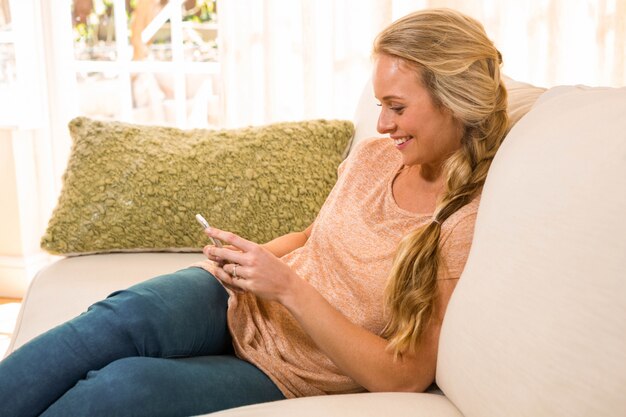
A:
{"points": [[460, 67]]}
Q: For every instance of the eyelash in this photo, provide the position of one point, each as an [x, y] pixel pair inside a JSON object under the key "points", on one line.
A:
{"points": [[395, 109]]}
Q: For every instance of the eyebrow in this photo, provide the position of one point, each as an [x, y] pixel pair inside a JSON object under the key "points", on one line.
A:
{"points": [[391, 97]]}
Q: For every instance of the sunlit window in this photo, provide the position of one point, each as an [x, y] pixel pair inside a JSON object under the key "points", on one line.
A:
{"points": [[7, 50], [156, 62]]}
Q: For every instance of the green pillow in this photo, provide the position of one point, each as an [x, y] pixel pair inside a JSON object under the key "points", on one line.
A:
{"points": [[137, 188]]}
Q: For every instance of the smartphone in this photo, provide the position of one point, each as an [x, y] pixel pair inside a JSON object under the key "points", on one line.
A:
{"points": [[204, 225]]}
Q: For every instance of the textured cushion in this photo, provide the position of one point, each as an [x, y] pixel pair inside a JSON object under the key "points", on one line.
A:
{"points": [[536, 324], [137, 188]]}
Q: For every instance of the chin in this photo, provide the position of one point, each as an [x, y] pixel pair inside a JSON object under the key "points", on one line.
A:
{"points": [[406, 160]]}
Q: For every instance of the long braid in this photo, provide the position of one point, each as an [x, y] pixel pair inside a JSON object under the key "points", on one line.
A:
{"points": [[476, 95]]}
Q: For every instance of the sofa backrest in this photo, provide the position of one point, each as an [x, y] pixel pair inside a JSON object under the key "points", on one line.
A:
{"points": [[537, 324]]}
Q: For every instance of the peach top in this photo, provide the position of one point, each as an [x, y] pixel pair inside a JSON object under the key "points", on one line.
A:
{"points": [[347, 259]]}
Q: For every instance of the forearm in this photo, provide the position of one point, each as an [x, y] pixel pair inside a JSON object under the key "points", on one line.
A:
{"points": [[360, 354], [285, 244]]}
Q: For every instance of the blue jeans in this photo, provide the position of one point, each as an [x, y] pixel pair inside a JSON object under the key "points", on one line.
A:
{"points": [[160, 348]]}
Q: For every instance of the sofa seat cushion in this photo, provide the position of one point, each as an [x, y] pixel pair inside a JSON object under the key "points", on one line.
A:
{"points": [[353, 405], [536, 324]]}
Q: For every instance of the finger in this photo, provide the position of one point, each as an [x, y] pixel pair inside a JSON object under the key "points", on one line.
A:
{"points": [[216, 259], [230, 238], [236, 283], [228, 286], [226, 256], [226, 279], [207, 252], [240, 272]]}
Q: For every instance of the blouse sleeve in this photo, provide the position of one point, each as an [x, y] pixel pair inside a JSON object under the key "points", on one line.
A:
{"points": [[455, 247]]}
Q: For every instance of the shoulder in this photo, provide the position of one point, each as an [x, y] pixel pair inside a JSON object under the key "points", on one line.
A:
{"points": [[371, 153], [371, 145]]}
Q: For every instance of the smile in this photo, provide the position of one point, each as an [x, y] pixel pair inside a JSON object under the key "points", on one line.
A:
{"points": [[400, 141]]}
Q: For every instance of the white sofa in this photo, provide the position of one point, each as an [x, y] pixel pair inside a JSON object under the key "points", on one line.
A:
{"points": [[537, 324]]}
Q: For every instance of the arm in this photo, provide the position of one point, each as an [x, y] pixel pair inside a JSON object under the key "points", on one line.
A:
{"points": [[282, 245], [360, 354]]}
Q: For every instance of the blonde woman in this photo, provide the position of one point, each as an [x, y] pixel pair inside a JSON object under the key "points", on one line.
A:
{"points": [[353, 303]]}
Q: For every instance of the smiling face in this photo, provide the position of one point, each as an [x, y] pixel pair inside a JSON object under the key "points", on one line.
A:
{"points": [[425, 134]]}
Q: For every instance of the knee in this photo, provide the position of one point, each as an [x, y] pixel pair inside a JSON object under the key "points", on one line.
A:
{"points": [[124, 387], [159, 296], [167, 308], [128, 380], [131, 312]]}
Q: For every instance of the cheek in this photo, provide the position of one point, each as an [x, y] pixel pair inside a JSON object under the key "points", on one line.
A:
{"points": [[452, 145], [448, 129]]}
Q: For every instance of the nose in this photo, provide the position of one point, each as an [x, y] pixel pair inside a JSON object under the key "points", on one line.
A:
{"points": [[385, 122]]}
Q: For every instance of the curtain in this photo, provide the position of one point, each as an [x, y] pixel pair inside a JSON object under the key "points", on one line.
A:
{"points": [[298, 59], [554, 42], [290, 60]]}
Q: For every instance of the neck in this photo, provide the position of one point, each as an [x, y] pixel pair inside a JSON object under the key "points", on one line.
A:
{"points": [[415, 192], [426, 173]]}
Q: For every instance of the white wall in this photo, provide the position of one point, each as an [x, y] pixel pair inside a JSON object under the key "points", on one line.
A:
{"points": [[34, 143], [21, 218]]}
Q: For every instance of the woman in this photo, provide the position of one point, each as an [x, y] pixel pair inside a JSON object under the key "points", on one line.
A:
{"points": [[353, 303]]}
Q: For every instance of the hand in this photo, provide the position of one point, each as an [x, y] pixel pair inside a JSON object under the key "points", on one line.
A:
{"points": [[212, 267], [219, 261], [250, 267]]}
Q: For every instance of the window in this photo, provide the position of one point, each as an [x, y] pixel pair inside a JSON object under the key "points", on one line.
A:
{"points": [[7, 52], [21, 82], [147, 61], [7, 62]]}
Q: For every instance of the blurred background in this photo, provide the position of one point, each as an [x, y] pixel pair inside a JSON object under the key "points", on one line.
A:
{"points": [[230, 63]]}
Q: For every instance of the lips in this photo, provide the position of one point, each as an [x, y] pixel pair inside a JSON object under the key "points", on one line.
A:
{"points": [[400, 141]]}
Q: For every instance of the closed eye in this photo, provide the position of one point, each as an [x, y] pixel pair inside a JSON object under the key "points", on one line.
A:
{"points": [[395, 109]]}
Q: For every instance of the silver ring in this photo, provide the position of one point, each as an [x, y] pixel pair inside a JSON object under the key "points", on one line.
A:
{"points": [[235, 271]]}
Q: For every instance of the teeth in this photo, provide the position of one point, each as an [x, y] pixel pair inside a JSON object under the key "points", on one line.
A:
{"points": [[400, 141]]}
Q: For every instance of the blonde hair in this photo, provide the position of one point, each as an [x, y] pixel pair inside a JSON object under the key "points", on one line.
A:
{"points": [[460, 67]]}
